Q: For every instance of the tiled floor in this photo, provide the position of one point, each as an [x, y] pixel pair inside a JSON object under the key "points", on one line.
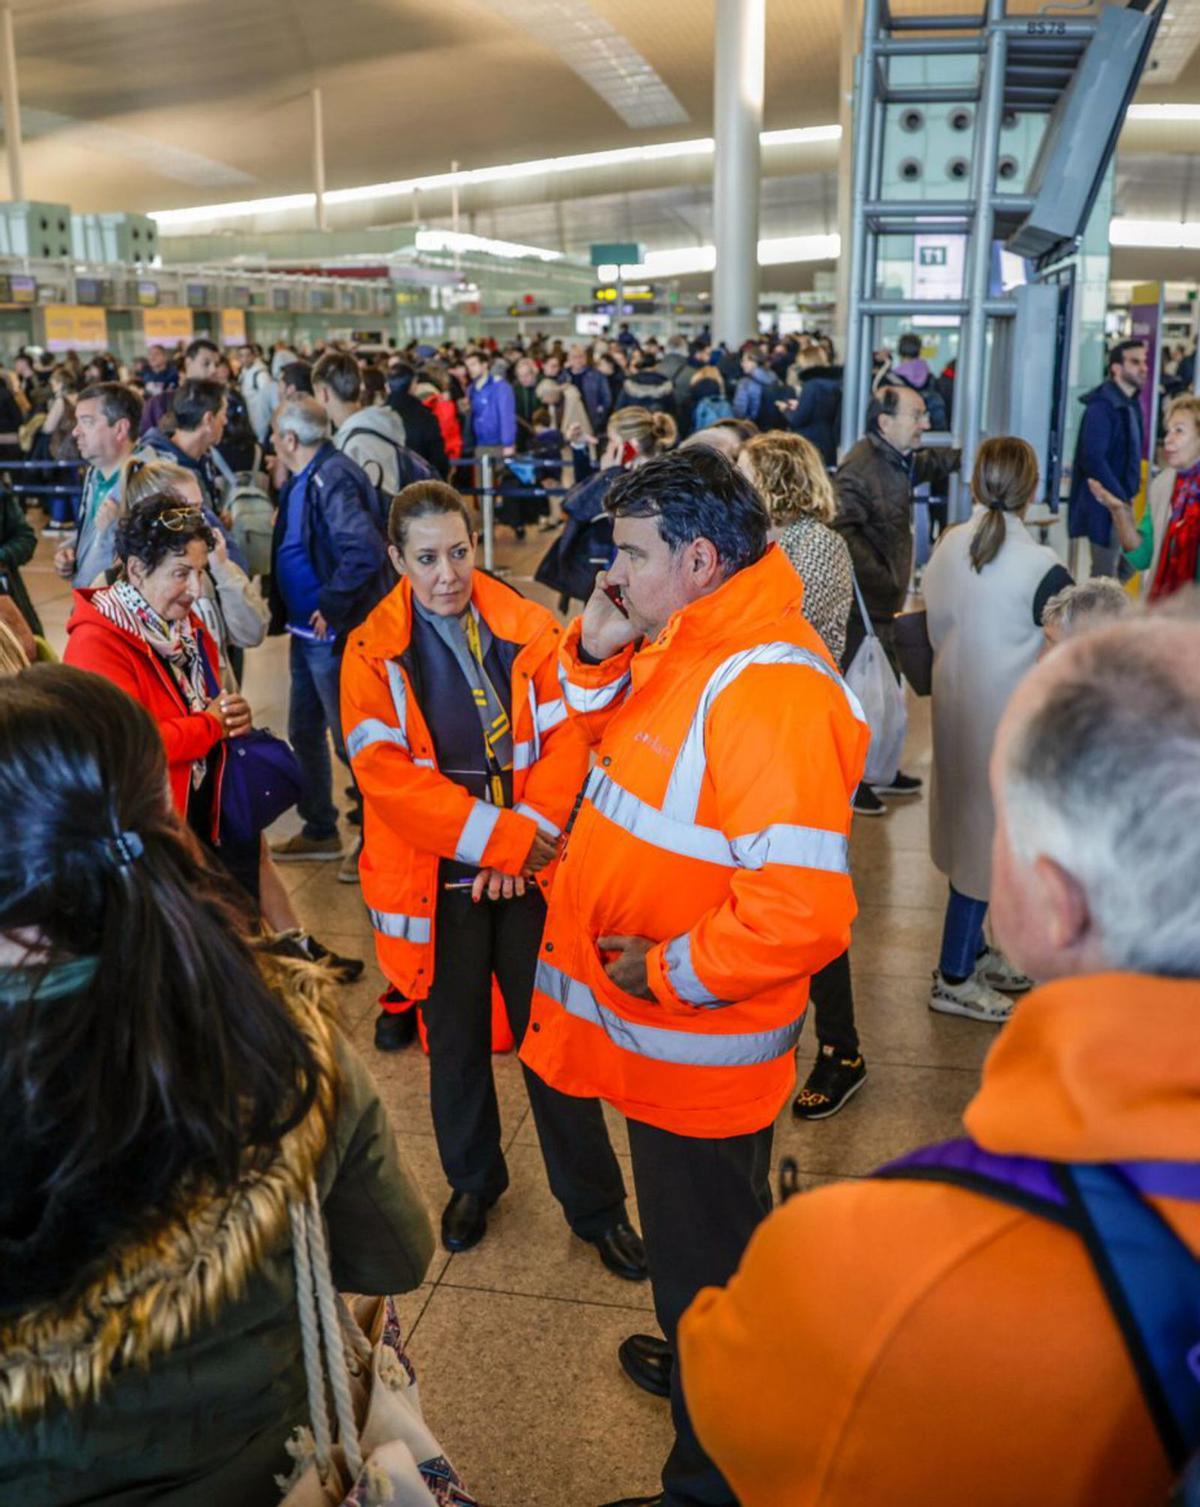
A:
{"points": [[516, 1340]]}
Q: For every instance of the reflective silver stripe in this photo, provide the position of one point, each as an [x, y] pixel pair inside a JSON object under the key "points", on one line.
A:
{"points": [[550, 715], [524, 754], [688, 1048], [543, 822], [800, 847], [581, 700], [536, 742], [399, 692], [683, 789], [476, 832], [372, 730], [404, 928], [682, 975], [650, 825], [424, 763]]}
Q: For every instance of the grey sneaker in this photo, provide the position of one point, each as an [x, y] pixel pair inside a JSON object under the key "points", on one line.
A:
{"points": [[998, 973], [300, 849], [972, 998]]}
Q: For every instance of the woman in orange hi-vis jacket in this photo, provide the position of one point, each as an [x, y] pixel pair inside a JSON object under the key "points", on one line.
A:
{"points": [[704, 879], [468, 767]]}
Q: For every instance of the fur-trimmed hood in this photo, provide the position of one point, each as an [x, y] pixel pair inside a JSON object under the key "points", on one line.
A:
{"points": [[154, 1290]]}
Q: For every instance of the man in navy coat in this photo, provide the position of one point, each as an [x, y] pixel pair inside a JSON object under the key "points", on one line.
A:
{"points": [[1109, 450]]}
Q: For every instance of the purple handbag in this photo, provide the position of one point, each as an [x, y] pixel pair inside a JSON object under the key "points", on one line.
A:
{"points": [[261, 781]]}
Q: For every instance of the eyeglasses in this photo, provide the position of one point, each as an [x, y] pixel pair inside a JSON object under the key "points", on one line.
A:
{"points": [[179, 520]]}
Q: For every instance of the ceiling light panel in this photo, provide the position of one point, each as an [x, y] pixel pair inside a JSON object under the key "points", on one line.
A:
{"points": [[1178, 34], [605, 60]]}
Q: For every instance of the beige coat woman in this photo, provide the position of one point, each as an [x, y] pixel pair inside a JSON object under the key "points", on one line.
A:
{"points": [[986, 633]]}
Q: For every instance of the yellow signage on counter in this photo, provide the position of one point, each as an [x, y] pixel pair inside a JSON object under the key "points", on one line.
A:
{"points": [[72, 327], [233, 326], [169, 325]]}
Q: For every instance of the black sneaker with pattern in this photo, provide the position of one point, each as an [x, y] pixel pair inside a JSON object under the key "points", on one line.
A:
{"points": [[833, 1079]]}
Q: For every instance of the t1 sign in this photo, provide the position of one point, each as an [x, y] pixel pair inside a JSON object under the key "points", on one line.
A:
{"points": [[938, 265]]}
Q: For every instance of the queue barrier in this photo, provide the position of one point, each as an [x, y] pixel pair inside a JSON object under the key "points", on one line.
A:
{"points": [[64, 488], [488, 491]]}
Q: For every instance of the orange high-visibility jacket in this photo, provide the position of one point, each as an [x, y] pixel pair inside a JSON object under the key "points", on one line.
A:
{"points": [[921, 1345], [715, 822], [412, 814]]}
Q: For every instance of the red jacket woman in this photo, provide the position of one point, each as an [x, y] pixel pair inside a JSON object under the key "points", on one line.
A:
{"points": [[99, 643]]}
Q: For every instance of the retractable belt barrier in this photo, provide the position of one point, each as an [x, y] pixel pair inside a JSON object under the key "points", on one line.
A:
{"points": [[65, 488], [488, 492]]}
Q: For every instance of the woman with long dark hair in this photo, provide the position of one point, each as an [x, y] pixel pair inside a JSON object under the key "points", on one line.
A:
{"points": [[165, 1092]]}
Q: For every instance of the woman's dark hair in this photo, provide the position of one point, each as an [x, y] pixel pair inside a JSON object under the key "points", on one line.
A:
{"points": [[424, 499], [374, 383], [1004, 481], [174, 1061], [696, 493], [160, 525]]}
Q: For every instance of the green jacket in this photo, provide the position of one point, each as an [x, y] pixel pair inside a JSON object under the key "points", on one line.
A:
{"points": [[17, 544], [177, 1377]]}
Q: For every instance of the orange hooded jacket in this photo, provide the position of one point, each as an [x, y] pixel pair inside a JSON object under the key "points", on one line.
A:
{"points": [[714, 822], [918, 1344], [413, 815]]}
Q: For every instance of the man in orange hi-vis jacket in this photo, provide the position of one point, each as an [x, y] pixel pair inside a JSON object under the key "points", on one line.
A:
{"points": [[703, 879]]}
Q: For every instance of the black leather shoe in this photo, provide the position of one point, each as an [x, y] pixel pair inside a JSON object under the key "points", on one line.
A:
{"points": [[648, 1363], [637, 1502], [622, 1251], [464, 1220], [395, 1030]]}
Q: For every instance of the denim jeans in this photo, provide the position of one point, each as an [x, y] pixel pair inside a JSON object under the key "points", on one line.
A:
{"points": [[314, 716], [962, 939]]}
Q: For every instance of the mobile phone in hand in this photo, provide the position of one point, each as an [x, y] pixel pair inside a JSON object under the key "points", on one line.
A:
{"points": [[613, 593]]}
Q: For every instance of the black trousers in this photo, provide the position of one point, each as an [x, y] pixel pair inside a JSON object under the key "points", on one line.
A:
{"points": [[473, 942], [832, 998], [699, 1201]]}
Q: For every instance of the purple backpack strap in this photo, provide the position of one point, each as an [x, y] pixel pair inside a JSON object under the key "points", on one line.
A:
{"points": [[1029, 1182]]}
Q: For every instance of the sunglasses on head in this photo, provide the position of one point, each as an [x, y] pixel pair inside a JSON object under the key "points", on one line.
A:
{"points": [[178, 520]]}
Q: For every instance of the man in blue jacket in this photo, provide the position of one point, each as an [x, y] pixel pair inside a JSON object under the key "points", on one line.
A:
{"points": [[1109, 450], [593, 388], [493, 407], [329, 568]]}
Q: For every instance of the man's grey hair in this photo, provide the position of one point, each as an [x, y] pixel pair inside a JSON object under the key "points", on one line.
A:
{"points": [[1104, 778], [1088, 604], [304, 417]]}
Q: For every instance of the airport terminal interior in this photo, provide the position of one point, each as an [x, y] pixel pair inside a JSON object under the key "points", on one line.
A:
{"points": [[706, 498]]}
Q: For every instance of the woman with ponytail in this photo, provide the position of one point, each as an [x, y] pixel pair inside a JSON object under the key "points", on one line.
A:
{"points": [[985, 589], [584, 548], [165, 1091]]}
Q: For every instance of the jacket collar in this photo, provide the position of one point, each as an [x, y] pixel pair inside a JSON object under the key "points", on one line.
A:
{"points": [[1101, 1068], [387, 632], [753, 605], [889, 452]]}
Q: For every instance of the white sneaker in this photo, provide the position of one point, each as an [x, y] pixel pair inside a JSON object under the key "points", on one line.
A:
{"points": [[972, 998], [998, 973]]}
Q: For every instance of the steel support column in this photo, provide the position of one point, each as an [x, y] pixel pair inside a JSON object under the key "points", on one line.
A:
{"points": [[12, 106], [318, 118], [973, 357], [737, 118], [858, 337]]}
